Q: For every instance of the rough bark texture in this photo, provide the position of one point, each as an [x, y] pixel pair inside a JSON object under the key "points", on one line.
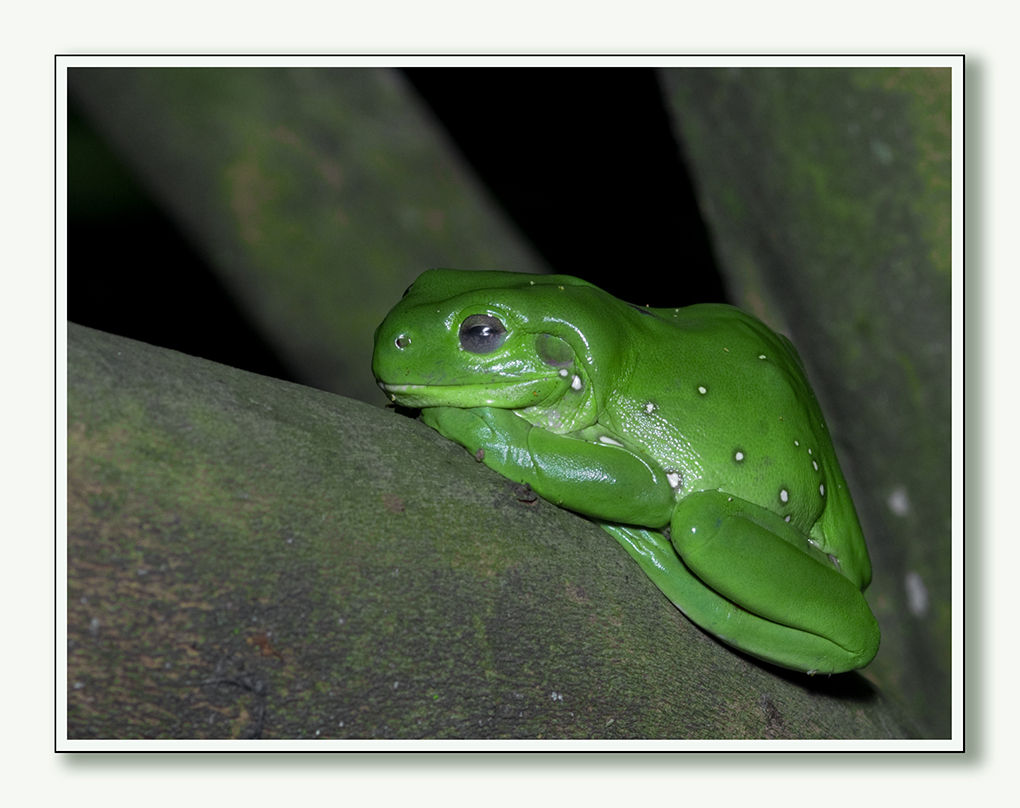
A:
{"points": [[253, 559]]}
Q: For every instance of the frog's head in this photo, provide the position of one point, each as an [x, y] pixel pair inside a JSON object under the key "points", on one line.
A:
{"points": [[489, 339]]}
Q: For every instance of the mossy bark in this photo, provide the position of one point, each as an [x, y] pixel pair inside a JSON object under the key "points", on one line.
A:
{"points": [[253, 559]]}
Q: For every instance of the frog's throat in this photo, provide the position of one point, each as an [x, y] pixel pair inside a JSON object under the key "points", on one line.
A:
{"points": [[505, 395]]}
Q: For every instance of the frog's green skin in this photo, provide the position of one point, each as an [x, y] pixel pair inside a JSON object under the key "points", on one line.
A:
{"points": [[699, 420]]}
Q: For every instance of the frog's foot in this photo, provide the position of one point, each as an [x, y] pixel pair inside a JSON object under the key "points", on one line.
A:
{"points": [[765, 596], [814, 618]]}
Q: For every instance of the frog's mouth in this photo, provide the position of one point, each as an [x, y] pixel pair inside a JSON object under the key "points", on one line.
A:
{"points": [[503, 394]]}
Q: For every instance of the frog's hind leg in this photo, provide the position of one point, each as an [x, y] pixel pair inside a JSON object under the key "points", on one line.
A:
{"points": [[796, 609], [709, 610]]}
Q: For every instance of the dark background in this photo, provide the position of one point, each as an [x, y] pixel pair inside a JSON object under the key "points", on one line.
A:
{"points": [[583, 161]]}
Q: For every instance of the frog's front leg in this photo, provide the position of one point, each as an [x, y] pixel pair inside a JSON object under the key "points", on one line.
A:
{"points": [[813, 617], [600, 480]]}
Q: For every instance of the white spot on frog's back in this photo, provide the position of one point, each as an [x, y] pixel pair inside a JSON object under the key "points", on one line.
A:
{"points": [[917, 594], [610, 441]]}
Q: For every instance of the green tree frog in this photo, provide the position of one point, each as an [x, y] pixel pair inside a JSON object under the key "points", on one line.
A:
{"points": [[690, 435]]}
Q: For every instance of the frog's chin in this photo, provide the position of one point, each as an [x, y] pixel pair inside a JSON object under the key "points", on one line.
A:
{"points": [[505, 395]]}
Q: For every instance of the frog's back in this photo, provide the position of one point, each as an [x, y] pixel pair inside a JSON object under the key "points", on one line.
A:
{"points": [[733, 412]]}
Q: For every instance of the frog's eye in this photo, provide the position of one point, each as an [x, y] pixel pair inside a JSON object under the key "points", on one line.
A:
{"points": [[482, 333]]}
